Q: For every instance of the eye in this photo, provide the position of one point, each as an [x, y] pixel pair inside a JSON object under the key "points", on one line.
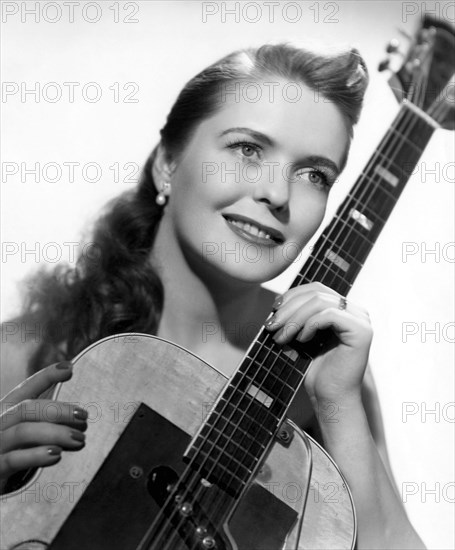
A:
{"points": [[317, 178], [248, 148]]}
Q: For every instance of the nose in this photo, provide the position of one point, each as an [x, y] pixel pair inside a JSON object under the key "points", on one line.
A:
{"points": [[273, 189]]}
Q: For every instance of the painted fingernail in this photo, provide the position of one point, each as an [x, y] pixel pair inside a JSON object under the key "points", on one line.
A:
{"points": [[278, 301], [78, 436], [63, 365], [80, 414], [54, 451]]}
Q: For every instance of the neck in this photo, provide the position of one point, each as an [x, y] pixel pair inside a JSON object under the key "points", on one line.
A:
{"points": [[202, 306]]}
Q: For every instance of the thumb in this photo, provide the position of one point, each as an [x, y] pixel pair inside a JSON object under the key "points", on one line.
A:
{"points": [[35, 385]]}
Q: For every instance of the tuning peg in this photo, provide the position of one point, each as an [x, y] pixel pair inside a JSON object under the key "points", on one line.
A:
{"points": [[392, 46]]}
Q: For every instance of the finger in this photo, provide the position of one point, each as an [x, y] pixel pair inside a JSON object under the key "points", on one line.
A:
{"points": [[303, 290], [35, 434], [290, 318], [23, 459], [45, 410], [38, 383], [349, 329]]}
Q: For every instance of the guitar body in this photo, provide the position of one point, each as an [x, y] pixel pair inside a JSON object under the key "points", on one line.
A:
{"points": [[146, 399]]}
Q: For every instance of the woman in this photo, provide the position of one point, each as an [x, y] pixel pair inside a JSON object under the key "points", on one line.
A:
{"points": [[227, 174]]}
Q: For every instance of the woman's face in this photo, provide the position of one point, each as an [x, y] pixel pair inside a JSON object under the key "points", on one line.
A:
{"points": [[270, 161]]}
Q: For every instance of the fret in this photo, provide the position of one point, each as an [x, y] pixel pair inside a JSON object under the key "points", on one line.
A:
{"points": [[326, 275], [262, 356], [276, 363], [236, 435], [264, 353], [247, 402], [222, 422], [376, 180], [380, 201], [232, 451], [342, 285], [350, 243], [218, 472], [352, 201], [423, 124], [406, 140], [328, 270], [247, 412], [354, 228], [402, 170], [264, 378]]}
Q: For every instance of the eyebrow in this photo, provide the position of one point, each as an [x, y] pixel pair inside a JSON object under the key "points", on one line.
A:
{"points": [[315, 159]]}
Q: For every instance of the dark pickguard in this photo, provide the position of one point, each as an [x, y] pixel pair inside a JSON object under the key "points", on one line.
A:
{"points": [[117, 508]]}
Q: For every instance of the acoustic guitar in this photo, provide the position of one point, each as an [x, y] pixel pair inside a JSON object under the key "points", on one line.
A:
{"points": [[182, 458]]}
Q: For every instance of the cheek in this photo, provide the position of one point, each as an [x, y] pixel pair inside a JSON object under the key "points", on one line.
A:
{"points": [[308, 215]]}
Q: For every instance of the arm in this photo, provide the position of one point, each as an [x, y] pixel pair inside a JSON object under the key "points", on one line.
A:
{"points": [[356, 442]]}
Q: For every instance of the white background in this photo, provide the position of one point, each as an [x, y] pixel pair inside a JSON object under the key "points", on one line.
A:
{"points": [[165, 48]]}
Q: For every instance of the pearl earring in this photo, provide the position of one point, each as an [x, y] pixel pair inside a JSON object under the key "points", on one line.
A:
{"points": [[161, 197]]}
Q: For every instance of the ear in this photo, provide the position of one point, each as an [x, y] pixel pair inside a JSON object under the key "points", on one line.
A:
{"points": [[162, 170]]}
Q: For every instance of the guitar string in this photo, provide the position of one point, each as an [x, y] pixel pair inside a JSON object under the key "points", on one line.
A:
{"points": [[275, 383], [231, 415], [217, 438]]}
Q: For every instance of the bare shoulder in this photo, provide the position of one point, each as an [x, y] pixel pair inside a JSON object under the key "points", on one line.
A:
{"points": [[20, 338]]}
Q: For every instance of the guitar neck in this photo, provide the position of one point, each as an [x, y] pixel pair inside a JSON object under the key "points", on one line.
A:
{"points": [[249, 412], [344, 245]]}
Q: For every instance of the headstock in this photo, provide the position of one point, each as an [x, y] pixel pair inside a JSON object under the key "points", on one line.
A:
{"points": [[427, 75]]}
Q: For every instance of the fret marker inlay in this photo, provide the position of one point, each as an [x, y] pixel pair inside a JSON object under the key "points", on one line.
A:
{"points": [[336, 260], [386, 175], [260, 396], [361, 219], [289, 352]]}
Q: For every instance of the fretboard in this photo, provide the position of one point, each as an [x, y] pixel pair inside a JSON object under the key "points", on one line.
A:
{"points": [[245, 419]]}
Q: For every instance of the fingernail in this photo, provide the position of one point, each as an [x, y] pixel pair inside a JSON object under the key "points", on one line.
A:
{"points": [[80, 414], [63, 365], [278, 301], [270, 321], [54, 451], [77, 436]]}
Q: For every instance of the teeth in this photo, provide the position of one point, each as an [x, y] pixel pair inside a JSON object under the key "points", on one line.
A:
{"points": [[253, 229]]}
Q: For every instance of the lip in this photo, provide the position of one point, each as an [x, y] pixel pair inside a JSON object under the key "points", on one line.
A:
{"points": [[277, 236]]}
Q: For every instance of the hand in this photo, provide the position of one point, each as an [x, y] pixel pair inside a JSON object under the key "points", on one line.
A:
{"points": [[34, 432], [336, 375]]}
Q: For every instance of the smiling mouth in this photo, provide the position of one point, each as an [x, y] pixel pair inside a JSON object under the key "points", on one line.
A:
{"points": [[252, 232]]}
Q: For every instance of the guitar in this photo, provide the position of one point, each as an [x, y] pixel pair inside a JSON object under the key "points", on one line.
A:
{"points": [[186, 459]]}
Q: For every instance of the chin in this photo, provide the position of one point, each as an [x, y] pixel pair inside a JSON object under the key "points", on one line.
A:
{"points": [[247, 271]]}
